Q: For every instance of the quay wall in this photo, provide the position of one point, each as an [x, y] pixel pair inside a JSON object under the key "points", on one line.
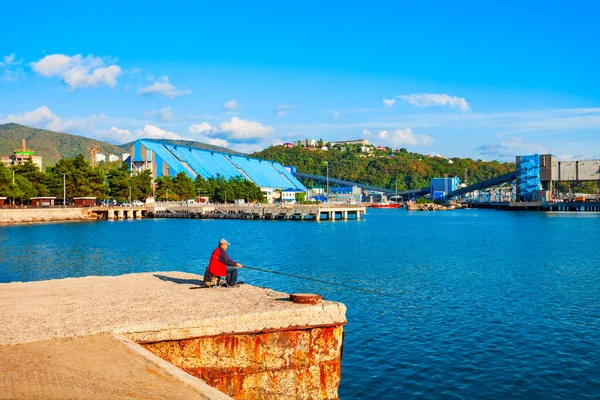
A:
{"points": [[27, 215], [301, 363]]}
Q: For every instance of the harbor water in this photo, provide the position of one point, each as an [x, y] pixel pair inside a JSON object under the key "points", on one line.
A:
{"points": [[464, 304]]}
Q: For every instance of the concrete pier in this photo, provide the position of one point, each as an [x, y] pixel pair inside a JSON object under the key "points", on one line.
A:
{"points": [[29, 214], [290, 212], [246, 342]]}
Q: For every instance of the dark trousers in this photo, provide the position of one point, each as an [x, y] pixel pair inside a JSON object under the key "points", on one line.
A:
{"points": [[232, 272]]}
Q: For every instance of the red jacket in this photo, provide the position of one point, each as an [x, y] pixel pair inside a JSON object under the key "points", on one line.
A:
{"points": [[215, 265]]}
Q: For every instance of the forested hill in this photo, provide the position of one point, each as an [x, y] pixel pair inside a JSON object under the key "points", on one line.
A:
{"points": [[383, 167], [52, 146]]}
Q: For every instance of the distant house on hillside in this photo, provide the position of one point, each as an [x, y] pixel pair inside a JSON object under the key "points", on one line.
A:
{"points": [[288, 145], [113, 158], [306, 143], [363, 142], [100, 158]]}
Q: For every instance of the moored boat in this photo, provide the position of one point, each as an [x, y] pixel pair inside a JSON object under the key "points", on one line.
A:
{"points": [[386, 205]]}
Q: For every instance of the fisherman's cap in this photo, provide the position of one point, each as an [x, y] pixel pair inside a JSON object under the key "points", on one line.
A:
{"points": [[223, 241]]}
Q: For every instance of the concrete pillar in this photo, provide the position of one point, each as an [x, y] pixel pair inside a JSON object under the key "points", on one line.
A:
{"points": [[345, 215], [357, 215], [120, 214], [129, 214], [111, 214], [138, 214]]}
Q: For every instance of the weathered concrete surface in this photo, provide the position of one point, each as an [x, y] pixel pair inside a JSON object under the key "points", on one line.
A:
{"points": [[295, 364], [92, 367], [159, 307], [149, 307], [28, 215]]}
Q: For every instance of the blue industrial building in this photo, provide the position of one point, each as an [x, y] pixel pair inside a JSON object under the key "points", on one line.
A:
{"points": [[440, 187], [166, 159]]}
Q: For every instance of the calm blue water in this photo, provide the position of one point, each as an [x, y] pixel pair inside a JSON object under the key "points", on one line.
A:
{"points": [[473, 304]]}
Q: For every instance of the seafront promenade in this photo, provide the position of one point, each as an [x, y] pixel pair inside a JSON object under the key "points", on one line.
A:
{"points": [[148, 335], [290, 212]]}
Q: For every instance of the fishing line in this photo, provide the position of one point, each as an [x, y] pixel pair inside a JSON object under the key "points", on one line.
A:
{"points": [[325, 282]]}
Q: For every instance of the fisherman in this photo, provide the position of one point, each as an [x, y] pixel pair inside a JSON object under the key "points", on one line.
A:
{"points": [[221, 265]]}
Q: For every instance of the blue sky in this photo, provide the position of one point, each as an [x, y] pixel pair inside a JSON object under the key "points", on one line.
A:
{"points": [[485, 80]]}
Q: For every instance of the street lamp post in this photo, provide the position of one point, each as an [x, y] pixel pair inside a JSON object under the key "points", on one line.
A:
{"points": [[13, 174], [327, 166], [64, 174]]}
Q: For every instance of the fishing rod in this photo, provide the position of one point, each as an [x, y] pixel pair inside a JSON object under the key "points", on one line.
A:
{"points": [[322, 281]]}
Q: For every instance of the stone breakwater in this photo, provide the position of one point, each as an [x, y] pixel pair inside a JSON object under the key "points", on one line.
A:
{"points": [[433, 207], [32, 215]]}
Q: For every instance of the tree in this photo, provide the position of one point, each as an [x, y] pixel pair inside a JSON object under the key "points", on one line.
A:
{"points": [[183, 186], [142, 185], [164, 189], [119, 181]]}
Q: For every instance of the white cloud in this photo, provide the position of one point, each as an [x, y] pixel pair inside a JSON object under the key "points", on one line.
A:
{"points": [[7, 74], [336, 114], [388, 102], [367, 133], [9, 60], [404, 137], [163, 114], [200, 128], [42, 117], [232, 105], [239, 134], [283, 110], [12, 76], [116, 135], [430, 99], [78, 72], [216, 142], [509, 148], [154, 132], [241, 129], [165, 88]]}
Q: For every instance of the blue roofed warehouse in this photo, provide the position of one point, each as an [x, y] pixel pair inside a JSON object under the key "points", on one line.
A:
{"points": [[166, 159]]}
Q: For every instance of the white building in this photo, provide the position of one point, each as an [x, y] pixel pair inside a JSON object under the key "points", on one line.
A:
{"points": [[113, 158], [363, 142], [288, 196], [267, 194], [306, 143], [100, 157], [125, 156]]}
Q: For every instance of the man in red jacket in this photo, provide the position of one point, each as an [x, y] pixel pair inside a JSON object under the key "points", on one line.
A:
{"points": [[221, 265]]}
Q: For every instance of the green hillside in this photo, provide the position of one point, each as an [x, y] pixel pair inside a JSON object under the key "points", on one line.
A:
{"points": [[51, 146], [383, 167]]}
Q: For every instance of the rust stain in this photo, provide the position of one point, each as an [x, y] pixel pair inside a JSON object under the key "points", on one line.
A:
{"points": [[263, 366], [257, 352]]}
